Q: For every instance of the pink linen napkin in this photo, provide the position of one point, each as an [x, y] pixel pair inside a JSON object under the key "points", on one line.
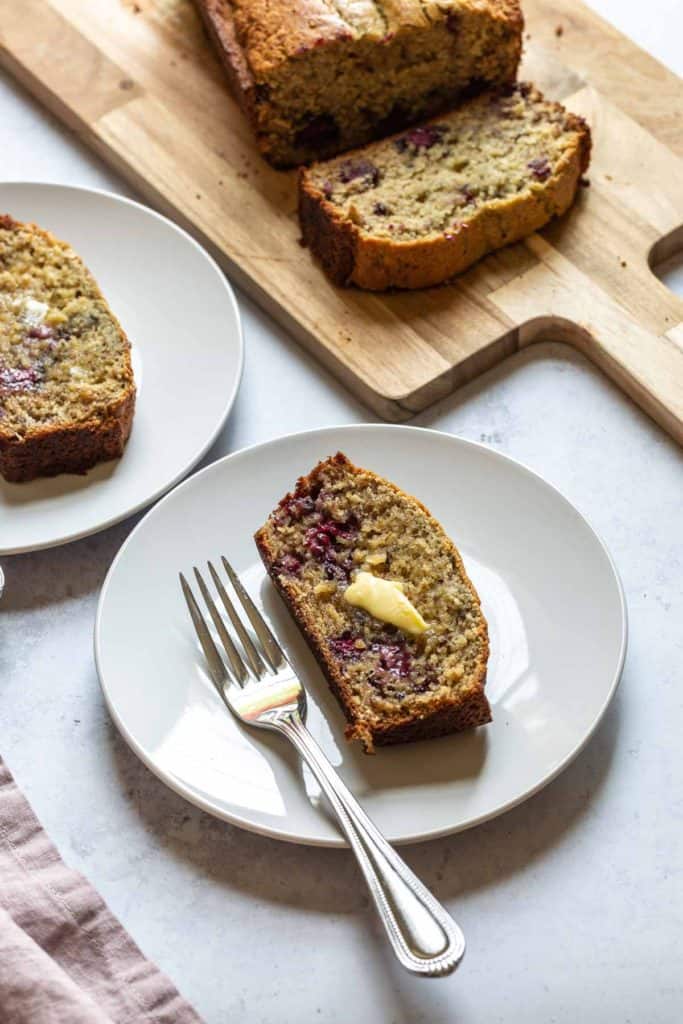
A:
{"points": [[64, 957]]}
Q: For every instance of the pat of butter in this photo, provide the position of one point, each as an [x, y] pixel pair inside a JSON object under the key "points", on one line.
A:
{"points": [[385, 600], [34, 312]]}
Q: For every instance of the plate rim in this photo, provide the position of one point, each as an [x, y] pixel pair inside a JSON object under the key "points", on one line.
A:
{"points": [[288, 836], [231, 395]]}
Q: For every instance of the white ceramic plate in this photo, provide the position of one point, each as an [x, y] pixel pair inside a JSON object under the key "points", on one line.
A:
{"points": [[182, 319], [549, 590]]}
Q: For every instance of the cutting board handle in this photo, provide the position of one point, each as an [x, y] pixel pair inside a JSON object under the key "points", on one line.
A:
{"points": [[555, 301], [647, 366]]}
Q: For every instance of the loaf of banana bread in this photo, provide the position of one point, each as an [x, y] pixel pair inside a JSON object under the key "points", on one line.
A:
{"points": [[383, 598], [67, 393], [413, 210], [317, 77]]}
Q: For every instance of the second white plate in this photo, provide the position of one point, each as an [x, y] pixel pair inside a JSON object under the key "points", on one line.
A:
{"points": [[548, 587], [183, 323]]}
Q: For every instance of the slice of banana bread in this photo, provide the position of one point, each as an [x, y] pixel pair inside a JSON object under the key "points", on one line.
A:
{"points": [[393, 685], [317, 77], [67, 392], [414, 210]]}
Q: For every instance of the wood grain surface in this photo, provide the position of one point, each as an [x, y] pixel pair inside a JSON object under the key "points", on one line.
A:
{"points": [[139, 83]]}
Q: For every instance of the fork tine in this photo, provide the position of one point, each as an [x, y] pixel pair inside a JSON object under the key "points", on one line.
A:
{"points": [[253, 655], [236, 662], [217, 670], [271, 647]]}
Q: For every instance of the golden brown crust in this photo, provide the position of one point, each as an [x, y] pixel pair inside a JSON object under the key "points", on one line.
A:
{"points": [[445, 714], [217, 17], [68, 449], [351, 257], [331, 237], [75, 447], [262, 43], [268, 32]]}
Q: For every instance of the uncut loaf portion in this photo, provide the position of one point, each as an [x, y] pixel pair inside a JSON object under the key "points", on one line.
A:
{"points": [[392, 686], [413, 210], [67, 393], [318, 77]]}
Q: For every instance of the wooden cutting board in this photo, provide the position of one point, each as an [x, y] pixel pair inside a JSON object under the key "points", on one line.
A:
{"points": [[137, 80]]}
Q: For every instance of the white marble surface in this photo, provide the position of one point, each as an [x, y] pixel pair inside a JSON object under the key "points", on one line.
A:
{"points": [[572, 903]]}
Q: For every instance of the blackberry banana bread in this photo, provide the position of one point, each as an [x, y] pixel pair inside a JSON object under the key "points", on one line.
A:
{"points": [[381, 595], [67, 393], [317, 77], [414, 210]]}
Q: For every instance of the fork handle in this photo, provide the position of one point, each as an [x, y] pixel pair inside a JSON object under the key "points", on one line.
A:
{"points": [[425, 939]]}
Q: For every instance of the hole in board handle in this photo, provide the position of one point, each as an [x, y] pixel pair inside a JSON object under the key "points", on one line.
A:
{"points": [[666, 260]]}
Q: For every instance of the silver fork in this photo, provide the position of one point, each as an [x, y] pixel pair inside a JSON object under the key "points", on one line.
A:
{"points": [[261, 688]]}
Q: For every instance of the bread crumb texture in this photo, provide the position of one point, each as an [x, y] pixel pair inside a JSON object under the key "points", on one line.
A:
{"points": [[410, 209], [64, 359], [392, 686]]}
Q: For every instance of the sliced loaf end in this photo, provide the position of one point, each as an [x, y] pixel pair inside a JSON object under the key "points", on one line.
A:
{"points": [[418, 208]]}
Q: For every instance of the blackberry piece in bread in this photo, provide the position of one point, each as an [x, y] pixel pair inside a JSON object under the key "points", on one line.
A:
{"points": [[67, 393], [382, 597], [416, 209], [315, 77]]}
